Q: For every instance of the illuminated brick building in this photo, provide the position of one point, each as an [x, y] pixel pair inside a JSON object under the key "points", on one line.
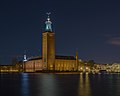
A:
{"points": [[49, 61]]}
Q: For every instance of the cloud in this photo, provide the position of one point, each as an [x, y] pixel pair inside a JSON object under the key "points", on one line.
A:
{"points": [[114, 41]]}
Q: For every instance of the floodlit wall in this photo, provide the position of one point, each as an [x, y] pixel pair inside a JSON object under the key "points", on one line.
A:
{"points": [[33, 65], [65, 65]]}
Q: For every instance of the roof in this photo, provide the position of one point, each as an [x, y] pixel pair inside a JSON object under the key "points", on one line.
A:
{"points": [[56, 57], [34, 58], [7, 65], [65, 57]]}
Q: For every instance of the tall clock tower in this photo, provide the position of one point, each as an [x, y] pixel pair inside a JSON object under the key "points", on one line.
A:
{"points": [[48, 46]]}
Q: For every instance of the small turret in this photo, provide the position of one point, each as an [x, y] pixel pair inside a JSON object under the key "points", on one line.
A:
{"points": [[25, 57]]}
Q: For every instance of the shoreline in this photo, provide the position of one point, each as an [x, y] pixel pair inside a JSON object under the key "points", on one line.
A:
{"points": [[59, 73]]}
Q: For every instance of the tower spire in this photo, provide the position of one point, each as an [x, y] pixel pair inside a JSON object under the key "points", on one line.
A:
{"points": [[48, 23]]}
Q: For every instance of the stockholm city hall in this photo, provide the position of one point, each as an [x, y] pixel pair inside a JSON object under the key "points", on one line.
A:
{"points": [[49, 61]]}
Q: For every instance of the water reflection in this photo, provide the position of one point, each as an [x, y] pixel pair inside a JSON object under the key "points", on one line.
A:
{"points": [[48, 85], [25, 84], [59, 85], [84, 85], [114, 79]]}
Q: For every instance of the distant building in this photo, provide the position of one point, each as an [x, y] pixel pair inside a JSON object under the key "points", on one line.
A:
{"points": [[115, 67], [49, 61], [12, 68]]}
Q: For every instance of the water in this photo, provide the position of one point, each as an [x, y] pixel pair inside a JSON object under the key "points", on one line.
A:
{"points": [[59, 85]]}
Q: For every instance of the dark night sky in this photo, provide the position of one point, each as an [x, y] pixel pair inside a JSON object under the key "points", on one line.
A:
{"points": [[90, 26]]}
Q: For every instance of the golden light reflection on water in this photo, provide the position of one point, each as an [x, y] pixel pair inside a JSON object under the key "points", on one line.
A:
{"points": [[48, 85], [84, 85]]}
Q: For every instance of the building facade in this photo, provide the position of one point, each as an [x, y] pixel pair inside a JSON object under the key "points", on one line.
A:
{"points": [[33, 64], [65, 63]]}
